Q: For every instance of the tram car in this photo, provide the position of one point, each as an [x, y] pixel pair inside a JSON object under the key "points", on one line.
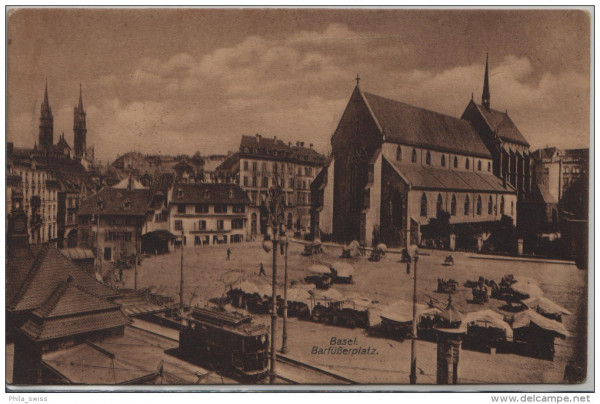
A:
{"points": [[226, 341]]}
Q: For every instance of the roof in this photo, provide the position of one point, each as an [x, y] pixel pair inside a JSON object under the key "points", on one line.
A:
{"points": [[89, 363], [34, 272], [541, 194], [209, 193], [501, 123], [425, 177], [161, 234], [77, 253], [416, 126], [229, 162], [114, 202], [274, 148]]}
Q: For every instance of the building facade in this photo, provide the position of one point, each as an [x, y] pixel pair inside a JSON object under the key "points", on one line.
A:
{"points": [[206, 214], [557, 169], [395, 167], [259, 163]]}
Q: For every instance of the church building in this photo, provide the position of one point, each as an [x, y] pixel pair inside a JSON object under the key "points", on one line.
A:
{"points": [[395, 166]]}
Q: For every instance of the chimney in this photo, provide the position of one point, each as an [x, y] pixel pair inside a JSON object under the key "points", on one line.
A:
{"points": [[297, 144], [301, 144], [275, 138], [258, 137], [311, 145]]}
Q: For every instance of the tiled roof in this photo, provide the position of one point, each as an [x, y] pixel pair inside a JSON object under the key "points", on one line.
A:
{"points": [[33, 276], [229, 162], [500, 122], [423, 177], [41, 329], [272, 148], [114, 202], [68, 299], [416, 126], [209, 193]]}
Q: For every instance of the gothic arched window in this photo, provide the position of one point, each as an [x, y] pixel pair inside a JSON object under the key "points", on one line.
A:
{"points": [[439, 206], [467, 164], [512, 208], [502, 206], [398, 154], [424, 205], [467, 205], [455, 162], [443, 160], [414, 156], [489, 166], [478, 205], [479, 165], [490, 205], [453, 206], [428, 158]]}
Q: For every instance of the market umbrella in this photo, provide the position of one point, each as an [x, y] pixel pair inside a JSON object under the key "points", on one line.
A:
{"points": [[545, 305], [300, 293], [319, 269], [342, 269], [329, 294], [401, 311], [528, 317], [487, 318], [527, 286]]}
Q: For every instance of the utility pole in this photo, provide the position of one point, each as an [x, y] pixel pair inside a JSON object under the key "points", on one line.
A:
{"points": [[181, 278], [413, 345]]}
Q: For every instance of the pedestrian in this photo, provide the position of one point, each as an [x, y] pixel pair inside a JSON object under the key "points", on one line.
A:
{"points": [[228, 254], [262, 271]]}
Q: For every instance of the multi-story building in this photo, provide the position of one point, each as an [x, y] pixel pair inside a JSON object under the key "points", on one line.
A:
{"points": [[557, 169], [204, 214], [111, 221], [395, 166], [262, 161], [40, 191]]}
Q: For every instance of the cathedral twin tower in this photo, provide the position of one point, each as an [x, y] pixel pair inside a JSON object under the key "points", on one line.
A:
{"points": [[46, 133]]}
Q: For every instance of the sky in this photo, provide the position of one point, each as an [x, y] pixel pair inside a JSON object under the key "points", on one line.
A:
{"points": [[184, 80]]}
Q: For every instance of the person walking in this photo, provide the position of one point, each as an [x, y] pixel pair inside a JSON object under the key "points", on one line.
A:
{"points": [[262, 271], [228, 254]]}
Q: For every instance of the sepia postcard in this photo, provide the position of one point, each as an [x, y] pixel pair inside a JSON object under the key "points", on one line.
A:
{"points": [[352, 199]]}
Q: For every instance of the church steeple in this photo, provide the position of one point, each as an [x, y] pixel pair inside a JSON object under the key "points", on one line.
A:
{"points": [[46, 132], [79, 128], [485, 96]]}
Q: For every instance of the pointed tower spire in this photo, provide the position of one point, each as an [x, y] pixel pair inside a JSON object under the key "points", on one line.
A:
{"points": [[46, 93], [485, 96], [80, 99], [79, 128], [46, 136]]}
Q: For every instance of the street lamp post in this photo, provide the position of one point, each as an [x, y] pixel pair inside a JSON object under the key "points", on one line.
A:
{"points": [[284, 348], [413, 345], [181, 278], [276, 208], [99, 206]]}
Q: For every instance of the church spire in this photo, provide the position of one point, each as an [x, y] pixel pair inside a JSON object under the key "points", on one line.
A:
{"points": [[79, 128], [80, 99], [485, 96], [46, 127]]}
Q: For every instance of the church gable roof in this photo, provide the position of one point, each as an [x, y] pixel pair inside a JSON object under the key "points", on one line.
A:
{"points": [[501, 123], [407, 124]]}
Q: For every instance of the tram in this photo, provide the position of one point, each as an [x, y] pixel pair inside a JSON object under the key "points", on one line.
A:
{"points": [[225, 341]]}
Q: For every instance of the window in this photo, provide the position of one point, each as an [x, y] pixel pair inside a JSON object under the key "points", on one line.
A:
{"points": [[219, 225], [237, 224], [479, 204], [398, 154], [264, 167], [414, 156], [107, 254], [245, 165], [220, 208], [178, 225], [502, 205], [467, 205], [201, 224], [479, 165], [265, 182], [180, 193], [566, 170], [512, 208], [239, 208], [489, 166], [254, 166], [455, 162], [428, 158], [299, 171], [439, 206], [443, 160], [245, 181], [424, 205], [291, 183], [202, 208], [180, 208], [490, 205], [254, 180], [467, 164]]}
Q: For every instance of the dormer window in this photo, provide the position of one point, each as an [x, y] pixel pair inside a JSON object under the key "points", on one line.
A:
{"points": [[127, 204], [230, 193], [180, 193], [206, 194]]}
